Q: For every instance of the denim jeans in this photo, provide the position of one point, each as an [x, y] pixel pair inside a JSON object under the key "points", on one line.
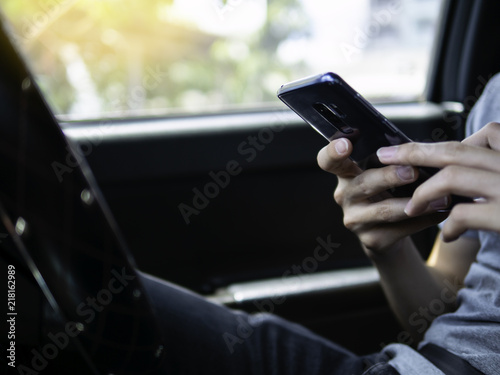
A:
{"points": [[206, 338]]}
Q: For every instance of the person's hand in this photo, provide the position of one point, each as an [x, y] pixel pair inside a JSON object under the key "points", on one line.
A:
{"points": [[470, 168], [370, 212]]}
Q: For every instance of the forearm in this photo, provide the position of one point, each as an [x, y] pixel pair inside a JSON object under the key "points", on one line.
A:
{"points": [[416, 292]]}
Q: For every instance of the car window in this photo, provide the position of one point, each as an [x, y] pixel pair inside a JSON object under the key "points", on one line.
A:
{"points": [[106, 58]]}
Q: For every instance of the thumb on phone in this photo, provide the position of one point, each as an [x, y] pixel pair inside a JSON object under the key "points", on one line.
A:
{"points": [[334, 158]]}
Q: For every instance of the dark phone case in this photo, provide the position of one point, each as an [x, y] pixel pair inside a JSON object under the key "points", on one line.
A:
{"points": [[335, 110]]}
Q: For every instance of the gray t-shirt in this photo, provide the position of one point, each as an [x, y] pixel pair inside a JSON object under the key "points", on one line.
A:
{"points": [[473, 330]]}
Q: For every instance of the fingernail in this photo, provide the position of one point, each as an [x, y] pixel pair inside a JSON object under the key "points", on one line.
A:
{"points": [[386, 153], [405, 172], [341, 146], [408, 207], [439, 204]]}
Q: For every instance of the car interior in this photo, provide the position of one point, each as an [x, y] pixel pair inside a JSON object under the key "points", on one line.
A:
{"points": [[228, 202]]}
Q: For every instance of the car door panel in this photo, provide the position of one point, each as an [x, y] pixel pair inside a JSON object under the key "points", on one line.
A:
{"points": [[268, 216]]}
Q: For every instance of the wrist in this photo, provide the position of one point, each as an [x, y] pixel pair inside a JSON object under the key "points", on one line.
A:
{"points": [[377, 255]]}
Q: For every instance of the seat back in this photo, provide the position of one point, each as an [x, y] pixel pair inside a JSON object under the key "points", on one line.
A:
{"points": [[64, 233]]}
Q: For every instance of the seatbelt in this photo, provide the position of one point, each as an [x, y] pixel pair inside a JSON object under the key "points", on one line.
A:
{"points": [[448, 362]]}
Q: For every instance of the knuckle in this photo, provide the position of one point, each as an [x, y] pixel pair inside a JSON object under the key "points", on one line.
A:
{"points": [[416, 153], [339, 196], [458, 221], [445, 174], [384, 213], [419, 192], [350, 223], [443, 182], [363, 186], [459, 215], [452, 149], [323, 164], [392, 176], [448, 174]]}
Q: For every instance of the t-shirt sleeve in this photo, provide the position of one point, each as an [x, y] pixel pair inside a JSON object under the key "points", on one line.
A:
{"points": [[486, 109]]}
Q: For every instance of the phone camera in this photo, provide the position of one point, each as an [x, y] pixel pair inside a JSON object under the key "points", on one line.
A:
{"points": [[333, 116]]}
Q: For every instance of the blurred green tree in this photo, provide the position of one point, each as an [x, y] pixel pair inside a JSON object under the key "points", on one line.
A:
{"points": [[94, 58]]}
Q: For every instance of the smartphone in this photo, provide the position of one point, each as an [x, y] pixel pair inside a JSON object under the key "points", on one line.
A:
{"points": [[336, 110]]}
